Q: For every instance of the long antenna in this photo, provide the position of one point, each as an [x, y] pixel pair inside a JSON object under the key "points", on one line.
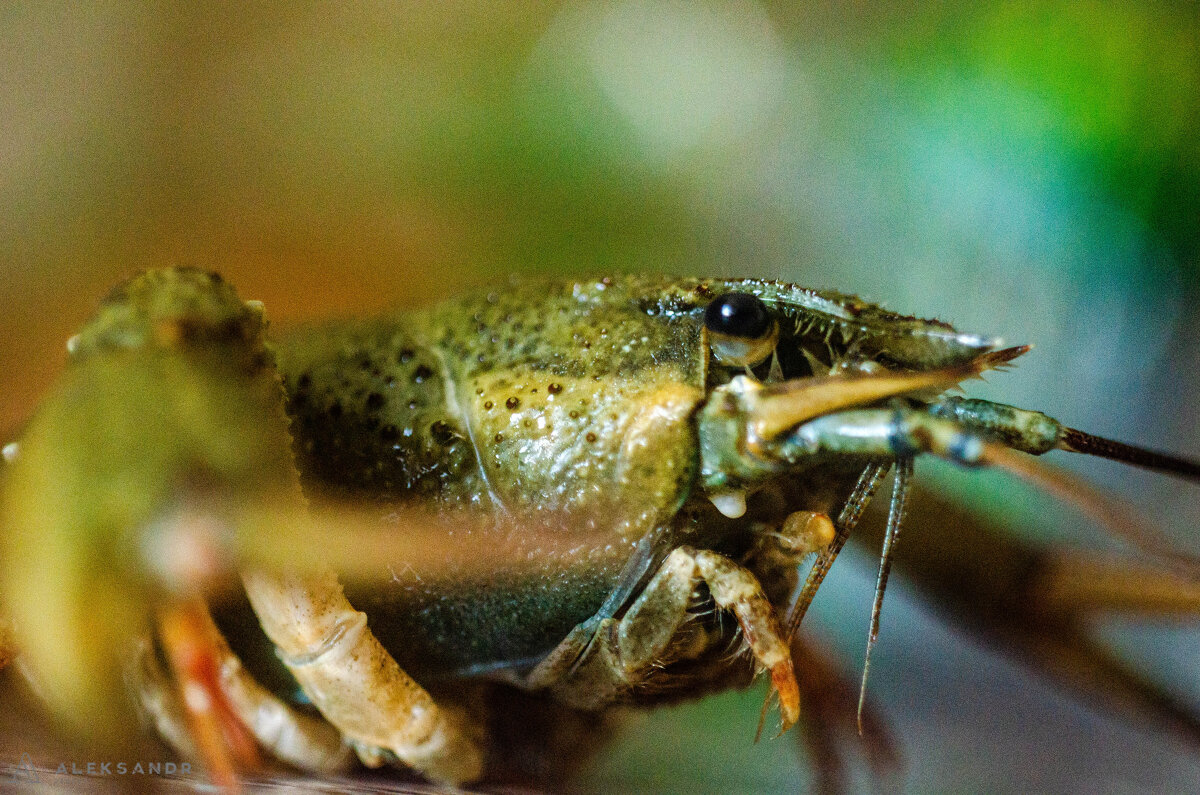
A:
{"points": [[1090, 444], [1110, 512]]}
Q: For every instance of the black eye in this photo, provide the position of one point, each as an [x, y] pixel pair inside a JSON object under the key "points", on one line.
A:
{"points": [[738, 315]]}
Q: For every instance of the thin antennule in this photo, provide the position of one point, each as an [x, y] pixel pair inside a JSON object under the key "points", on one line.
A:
{"points": [[851, 512], [904, 470], [1090, 444]]}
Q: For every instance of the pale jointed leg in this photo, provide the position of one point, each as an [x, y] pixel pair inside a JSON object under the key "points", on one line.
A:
{"points": [[287, 734], [356, 684], [594, 668]]}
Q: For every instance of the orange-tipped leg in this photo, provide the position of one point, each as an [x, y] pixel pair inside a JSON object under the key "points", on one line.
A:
{"points": [[223, 742]]}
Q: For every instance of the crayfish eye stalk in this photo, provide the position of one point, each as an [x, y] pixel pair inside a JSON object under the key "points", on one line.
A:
{"points": [[741, 330]]}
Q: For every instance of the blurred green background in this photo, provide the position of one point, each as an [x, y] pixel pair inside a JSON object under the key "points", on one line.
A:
{"points": [[1028, 170]]}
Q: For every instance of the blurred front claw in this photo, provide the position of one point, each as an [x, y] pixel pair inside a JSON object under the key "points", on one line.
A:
{"points": [[125, 492]]}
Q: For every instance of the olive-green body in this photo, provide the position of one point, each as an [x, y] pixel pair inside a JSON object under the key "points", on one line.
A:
{"points": [[561, 409], [573, 408], [599, 423], [566, 405]]}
